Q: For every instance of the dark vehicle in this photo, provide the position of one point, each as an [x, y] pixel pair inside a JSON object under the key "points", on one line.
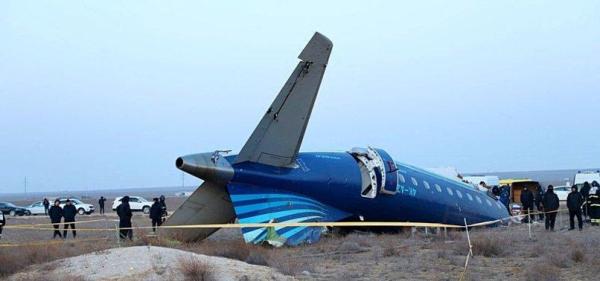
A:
{"points": [[13, 210]]}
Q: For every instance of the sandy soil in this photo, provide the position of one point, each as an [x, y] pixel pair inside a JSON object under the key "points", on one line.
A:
{"points": [[147, 263]]}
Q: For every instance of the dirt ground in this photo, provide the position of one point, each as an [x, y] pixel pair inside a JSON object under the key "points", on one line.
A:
{"points": [[500, 253]]}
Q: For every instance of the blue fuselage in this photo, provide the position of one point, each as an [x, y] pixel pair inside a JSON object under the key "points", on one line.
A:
{"points": [[335, 179]]}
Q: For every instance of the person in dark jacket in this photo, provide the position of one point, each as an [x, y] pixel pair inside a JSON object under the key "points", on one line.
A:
{"points": [[56, 213], [594, 201], [69, 213], [101, 204], [527, 201], [163, 207], [551, 205], [124, 213], [585, 192], [574, 202], [46, 204], [2, 222], [156, 214], [538, 199], [505, 197]]}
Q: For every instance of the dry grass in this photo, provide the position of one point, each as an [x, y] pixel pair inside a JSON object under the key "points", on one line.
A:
{"points": [[487, 246], [288, 265], [542, 272], [193, 269], [391, 250], [37, 254], [258, 257], [235, 249], [558, 259], [578, 255], [362, 240]]}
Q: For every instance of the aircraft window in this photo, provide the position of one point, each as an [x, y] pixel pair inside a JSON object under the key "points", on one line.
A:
{"points": [[489, 202], [401, 177], [426, 184], [438, 188], [478, 199], [470, 197], [459, 194], [414, 181], [449, 191]]}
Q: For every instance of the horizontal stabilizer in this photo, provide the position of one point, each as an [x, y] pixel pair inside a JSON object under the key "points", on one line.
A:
{"points": [[255, 204], [209, 204], [277, 138]]}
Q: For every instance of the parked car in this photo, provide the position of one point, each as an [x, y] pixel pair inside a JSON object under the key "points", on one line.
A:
{"points": [[82, 208], [136, 203], [36, 208], [562, 192], [12, 209]]}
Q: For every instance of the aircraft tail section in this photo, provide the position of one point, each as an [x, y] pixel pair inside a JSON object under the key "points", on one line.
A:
{"points": [[209, 204], [256, 204], [277, 138]]}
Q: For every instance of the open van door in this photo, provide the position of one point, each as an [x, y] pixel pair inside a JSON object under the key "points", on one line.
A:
{"points": [[517, 186]]}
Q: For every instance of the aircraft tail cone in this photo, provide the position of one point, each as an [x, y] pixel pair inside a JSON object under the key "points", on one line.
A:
{"points": [[207, 166]]}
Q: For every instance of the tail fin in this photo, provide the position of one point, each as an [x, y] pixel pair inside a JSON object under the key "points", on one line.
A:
{"points": [[277, 138]]}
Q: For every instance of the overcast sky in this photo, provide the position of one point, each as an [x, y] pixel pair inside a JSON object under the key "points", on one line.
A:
{"points": [[106, 94]]}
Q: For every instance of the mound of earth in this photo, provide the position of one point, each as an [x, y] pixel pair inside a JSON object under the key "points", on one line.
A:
{"points": [[146, 263]]}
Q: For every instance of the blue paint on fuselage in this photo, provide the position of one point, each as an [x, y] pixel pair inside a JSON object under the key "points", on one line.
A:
{"points": [[335, 179]]}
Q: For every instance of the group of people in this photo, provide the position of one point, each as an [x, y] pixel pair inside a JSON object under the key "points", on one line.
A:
{"points": [[66, 216], [584, 203], [547, 204], [57, 214], [158, 213]]}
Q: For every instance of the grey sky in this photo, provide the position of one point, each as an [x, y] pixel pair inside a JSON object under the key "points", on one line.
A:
{"points": [[106, 94]]}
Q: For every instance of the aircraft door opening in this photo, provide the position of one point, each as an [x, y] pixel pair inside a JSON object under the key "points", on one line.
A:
{"points": [[373, 173]]}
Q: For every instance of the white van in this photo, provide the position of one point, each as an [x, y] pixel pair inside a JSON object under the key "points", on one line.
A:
{"points": [[586, 176]]}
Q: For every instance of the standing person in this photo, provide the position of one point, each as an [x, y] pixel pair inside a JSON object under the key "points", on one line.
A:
{"points": [[585, 192], [505, 197], [595, 187], [551, 205], [539, 205], [574, 202], [101, 204], [594, 201], [156, 214], [69, 212], [163, 208], [46, 204], [2, 222], [527, 201], [56, 213], [124, 213]]}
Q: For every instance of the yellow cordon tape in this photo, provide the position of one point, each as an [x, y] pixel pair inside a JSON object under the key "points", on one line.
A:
{"points": [[272, 224], [257, 225]]}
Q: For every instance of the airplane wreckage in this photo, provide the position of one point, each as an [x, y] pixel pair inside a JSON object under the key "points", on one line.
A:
{"points": [[270, 181]]}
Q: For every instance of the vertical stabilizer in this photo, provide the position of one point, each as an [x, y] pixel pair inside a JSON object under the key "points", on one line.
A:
{"points": [[277, 138]]}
